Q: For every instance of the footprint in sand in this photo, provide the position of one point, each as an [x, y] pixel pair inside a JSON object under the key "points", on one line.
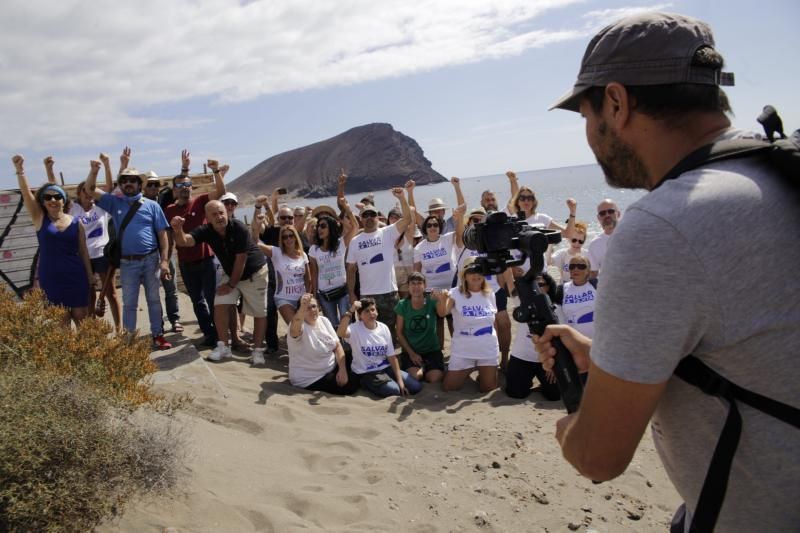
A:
{"points": [[360, 433]]}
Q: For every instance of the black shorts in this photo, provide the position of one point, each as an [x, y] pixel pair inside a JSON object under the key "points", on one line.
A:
{"points": [[99, 265], [430, 361]]}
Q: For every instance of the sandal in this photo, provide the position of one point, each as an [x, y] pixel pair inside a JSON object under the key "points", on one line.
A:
{"points": [[177, 327], [100, 308], [242, 347]]}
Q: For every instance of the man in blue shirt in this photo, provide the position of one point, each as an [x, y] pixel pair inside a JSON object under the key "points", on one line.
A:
{"points": [[144, 257]]}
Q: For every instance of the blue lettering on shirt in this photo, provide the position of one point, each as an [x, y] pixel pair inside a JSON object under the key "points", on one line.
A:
{"points": [[375, 351], [369, 243], [579, 298], [476, 311], [433, 254]]}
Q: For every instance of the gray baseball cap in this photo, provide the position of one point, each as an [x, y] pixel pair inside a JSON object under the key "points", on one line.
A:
{"points": [[646, 49]]}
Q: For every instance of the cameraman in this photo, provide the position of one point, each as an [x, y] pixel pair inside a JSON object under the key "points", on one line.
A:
{"points": [[678, 279]]}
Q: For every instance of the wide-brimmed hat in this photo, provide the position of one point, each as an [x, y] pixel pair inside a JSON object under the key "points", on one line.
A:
{"points": [[323, 210], [477, 211], [228, 196], [130, 172], [645, 49], [436, 203], [151, 176]]}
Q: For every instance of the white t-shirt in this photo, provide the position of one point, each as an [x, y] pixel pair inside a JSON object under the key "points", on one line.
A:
{"points": [[522, 347], [597, 251], [474, 336], [95, 225], [541, 221], [578, 307], [462, 258], [311, 355], [374, 255], [560, 259], [289, 274], [404, 254], [437, 261], [331, 272], [371, 347]]}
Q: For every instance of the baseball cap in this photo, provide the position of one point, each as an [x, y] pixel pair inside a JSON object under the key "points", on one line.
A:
{"points": [[228, 196], [645, 49]]}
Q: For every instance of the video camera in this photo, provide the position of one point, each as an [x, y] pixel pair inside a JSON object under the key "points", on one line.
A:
{"points": [[496, 236]]}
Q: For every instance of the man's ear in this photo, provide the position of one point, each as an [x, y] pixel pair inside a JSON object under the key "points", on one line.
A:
{"points": [[617, 105]]}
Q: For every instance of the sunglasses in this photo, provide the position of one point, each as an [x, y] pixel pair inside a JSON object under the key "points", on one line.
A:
{"points": [[476, 220], [123, 181], [154, 184], [300, 216], [578, 240], [527, 198], [286, 217], [369, 214], [579, 266], [230, 202], [287, 236], [432, 225], [322, 226], [51, 197], [183, 184], [605, 212]]}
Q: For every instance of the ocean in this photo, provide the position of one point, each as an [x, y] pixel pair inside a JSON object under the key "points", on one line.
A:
{"points": [[552, 186]]}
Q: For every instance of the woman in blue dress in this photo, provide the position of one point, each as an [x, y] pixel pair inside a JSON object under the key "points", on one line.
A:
{"points": [[65, 270]]}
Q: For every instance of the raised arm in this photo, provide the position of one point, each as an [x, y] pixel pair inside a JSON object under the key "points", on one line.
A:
{"points": [[408, 235], [274, 202], [407, 219], [340, 190], [352, 231], [91, 180], [184, 240], [443, 302], [459, 195], [266, 249], [458, 214], [106, 161], [296, 325], [219, 185], [514, 184], [49, 162], [124, 159], [28, 198], [418, 219], [344, 323]]}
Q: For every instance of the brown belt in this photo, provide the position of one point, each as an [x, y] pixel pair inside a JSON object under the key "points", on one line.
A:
{"points": [[136, 257]]}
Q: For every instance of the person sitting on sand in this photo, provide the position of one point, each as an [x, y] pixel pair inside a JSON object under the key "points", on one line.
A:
{"points": [[422, 356], [373, 352], [474, 343], [316, 357]]}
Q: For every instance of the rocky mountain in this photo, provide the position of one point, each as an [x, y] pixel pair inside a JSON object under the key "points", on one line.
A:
{"points": [[374, 156]]}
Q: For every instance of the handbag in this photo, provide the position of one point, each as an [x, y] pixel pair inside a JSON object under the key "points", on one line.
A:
{"points": [[333, 294], [112, 251]]}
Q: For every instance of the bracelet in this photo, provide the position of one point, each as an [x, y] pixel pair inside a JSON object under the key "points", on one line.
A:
{"points": [[572, 216], [184, 169]]}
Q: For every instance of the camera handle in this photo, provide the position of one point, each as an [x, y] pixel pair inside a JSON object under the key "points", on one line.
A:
{"points": [[537, 311]]}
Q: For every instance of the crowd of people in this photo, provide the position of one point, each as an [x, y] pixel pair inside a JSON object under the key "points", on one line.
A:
{"points": [[366, 296]]}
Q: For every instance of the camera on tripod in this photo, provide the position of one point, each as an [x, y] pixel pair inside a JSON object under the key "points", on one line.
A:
{"points": [[495, 237]]}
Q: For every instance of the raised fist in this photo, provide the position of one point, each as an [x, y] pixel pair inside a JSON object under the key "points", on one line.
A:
{"points": [[49, 161], [356, 307], [397, 192], [177, 222], [94, 165], [213, 164], [18, 161], [224, 169], [103, 158], [572, 205], [455, 181], [305, 299], [410, 185], [511, 175]]}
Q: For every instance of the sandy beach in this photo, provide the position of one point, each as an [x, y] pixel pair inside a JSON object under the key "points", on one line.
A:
{"points": [[265, 456]]}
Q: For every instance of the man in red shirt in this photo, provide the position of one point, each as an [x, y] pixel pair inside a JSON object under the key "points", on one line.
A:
{"points": [[196, 263]]}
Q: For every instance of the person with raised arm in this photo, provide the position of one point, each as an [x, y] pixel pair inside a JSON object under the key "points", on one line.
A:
{"points": [[436, 207], [291, 271], [474, 343], [561, 258], [316, 358], [144, 247], [196, 263], [373, 352], [245, 274], [370, 254], [65, 272]]}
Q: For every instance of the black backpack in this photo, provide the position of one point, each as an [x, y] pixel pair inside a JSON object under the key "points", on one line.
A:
{"points": [[784, 157]]}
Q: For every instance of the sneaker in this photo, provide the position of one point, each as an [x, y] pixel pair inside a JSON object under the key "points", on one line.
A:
{"points": [[160, 343], [258, 357], [220, 352]]}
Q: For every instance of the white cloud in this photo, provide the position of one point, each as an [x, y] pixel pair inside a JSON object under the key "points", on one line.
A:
{"points": [[83, 73]]}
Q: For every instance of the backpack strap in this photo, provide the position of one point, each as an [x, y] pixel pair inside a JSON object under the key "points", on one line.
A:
{"points": [[128, 216], [694, 372]]}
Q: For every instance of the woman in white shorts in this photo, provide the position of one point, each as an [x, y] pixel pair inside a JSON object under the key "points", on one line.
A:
{"points": [[291, 271], [474, 343]]}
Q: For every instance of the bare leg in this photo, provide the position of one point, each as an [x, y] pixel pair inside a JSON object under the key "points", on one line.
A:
{"points": [[415, 372], [259, 330], [440, 331], [116, 306], [433, 376], [502, 324], [221, 315], [287, 313], [487, 378], [454, 379]]}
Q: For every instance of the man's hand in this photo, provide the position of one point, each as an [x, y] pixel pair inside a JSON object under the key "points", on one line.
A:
{"points": [[164, 270], [125, 157], [49, 162], [223, 289], [455, 181], [342, 177], [19, 163], [397, 192], [94, 166], [410, 184], [578, 345], [213, 164], [262, 200], [104, 159], [224, 169], [177, 222], [186, 159], [402, 386], [511, 175], [341, 376]]}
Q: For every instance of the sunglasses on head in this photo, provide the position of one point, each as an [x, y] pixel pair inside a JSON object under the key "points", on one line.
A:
{"points": [[125, 180], [183, 184], [527, 198], [50, 197], [605, 212], [579, 266], [578, 240]]}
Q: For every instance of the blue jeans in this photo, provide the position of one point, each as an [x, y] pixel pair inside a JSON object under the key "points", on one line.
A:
{"points": [[391, 388], [334, 310], [171, 293], [200, 278], [132, 274]]}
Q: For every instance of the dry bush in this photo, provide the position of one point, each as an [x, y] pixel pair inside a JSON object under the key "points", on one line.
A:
{"points": [[79, 435], [31, 332], [69, 459]]}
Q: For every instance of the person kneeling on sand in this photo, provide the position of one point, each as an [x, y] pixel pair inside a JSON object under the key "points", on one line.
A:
{"points": [[416, 332], [316, 358], [373, 352], [474, 342]]}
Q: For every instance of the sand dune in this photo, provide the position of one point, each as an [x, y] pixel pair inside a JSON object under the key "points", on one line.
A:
{"points": [[266, 456]]}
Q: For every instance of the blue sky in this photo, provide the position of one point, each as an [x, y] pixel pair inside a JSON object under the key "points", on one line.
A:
{"points": [[470, 80]]}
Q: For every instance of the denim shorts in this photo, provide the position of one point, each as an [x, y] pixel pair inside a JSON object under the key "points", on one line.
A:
{"points": [[284, 301]]}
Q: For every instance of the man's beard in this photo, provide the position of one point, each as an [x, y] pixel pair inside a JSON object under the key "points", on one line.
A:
{"points": [[622, 167]]}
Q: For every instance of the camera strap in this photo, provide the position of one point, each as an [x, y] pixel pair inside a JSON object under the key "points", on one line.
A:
{"points": [[694, 372]]}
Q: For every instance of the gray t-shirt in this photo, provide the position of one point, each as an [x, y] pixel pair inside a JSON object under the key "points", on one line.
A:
{"points": [[708, 264]]}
